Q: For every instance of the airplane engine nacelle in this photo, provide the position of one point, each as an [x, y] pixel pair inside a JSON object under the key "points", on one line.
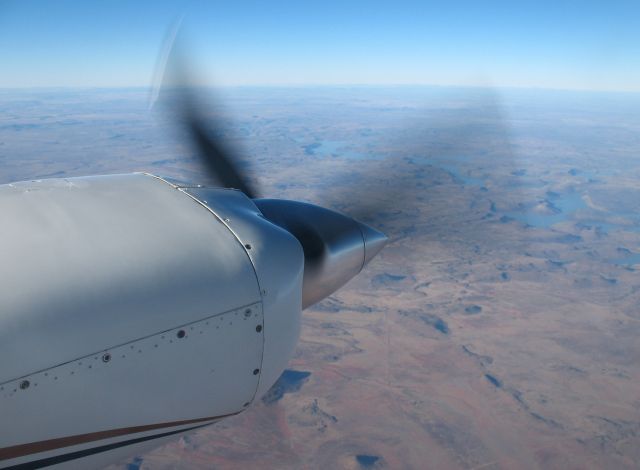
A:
{"points": [[186, 298]]}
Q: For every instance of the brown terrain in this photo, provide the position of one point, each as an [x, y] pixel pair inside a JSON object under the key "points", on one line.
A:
{"points": [[498, 329]]}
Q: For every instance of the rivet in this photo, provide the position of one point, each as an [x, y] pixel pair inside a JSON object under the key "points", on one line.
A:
{"points": [[247, 313], [259, 328], [247, 246], [24, 385], [181, 334], [227, 220], [256, 371], [106, 357]]}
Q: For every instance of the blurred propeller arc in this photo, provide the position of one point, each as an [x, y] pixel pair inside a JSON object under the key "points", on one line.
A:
{"points": [[175, 88], [336, 247], [429, 146]]}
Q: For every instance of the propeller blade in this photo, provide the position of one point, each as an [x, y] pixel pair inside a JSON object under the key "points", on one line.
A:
{"points": [[436, 144], [217, 160], [175, 88]]}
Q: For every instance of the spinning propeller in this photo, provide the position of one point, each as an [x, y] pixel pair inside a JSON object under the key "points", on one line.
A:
{"points": [[336, 247]]}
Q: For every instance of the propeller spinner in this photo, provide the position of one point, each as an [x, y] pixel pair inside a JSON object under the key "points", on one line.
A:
{"points": [[336, 247]]}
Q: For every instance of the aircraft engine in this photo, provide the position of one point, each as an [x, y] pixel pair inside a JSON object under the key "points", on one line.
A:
{"points": [[134, 308]]}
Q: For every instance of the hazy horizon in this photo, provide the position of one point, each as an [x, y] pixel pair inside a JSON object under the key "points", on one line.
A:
{"points": [[284, 86]]}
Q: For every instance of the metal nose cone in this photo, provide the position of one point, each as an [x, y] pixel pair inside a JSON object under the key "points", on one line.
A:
{"points": [[336, 247], [374, 241]]}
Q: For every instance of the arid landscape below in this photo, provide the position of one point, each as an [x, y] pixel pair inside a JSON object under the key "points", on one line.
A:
{"points": [[498, 329]]}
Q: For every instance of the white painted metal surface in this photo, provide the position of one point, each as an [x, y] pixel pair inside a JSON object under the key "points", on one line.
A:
{"points": [[90, 263], [278, 261], [162, 378], [131, 308]]}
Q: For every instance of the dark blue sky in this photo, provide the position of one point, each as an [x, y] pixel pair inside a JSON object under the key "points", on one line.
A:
{"points": [[549, 44]]}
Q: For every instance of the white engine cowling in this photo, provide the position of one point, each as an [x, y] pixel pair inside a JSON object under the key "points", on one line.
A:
{"points": [[133, 308]]}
